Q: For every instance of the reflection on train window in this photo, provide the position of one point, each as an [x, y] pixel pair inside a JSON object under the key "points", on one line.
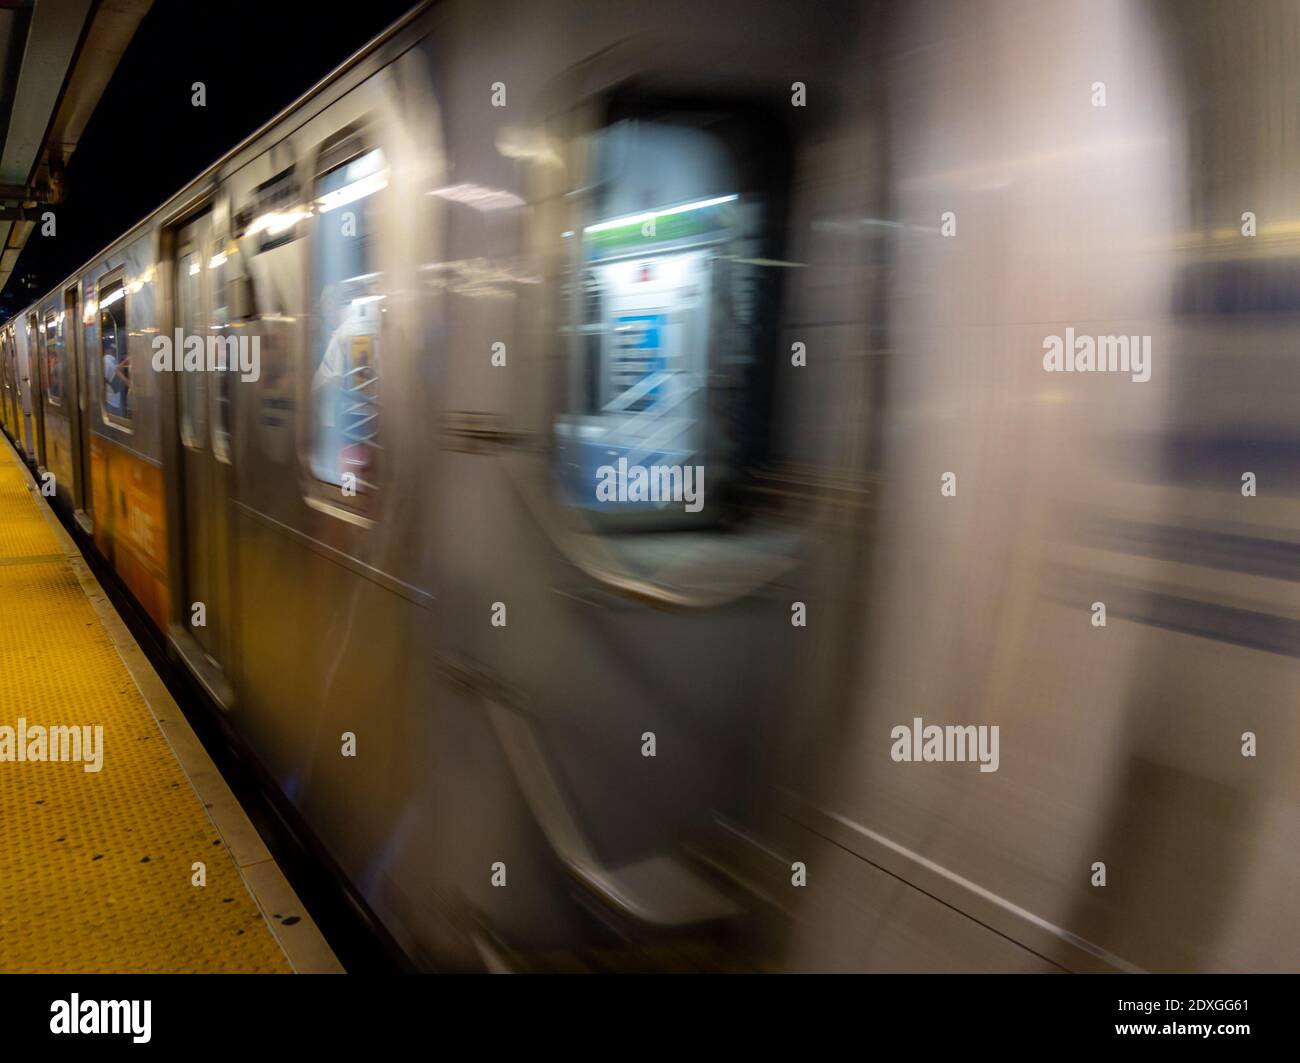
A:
{"points": [[220, 326], [665, 293], [115, 353], [54, 357], [346, 351], [189, 304]]}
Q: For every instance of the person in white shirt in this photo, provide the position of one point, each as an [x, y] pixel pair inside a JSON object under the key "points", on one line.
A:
{"points": [[117, 379], [333, 449]]}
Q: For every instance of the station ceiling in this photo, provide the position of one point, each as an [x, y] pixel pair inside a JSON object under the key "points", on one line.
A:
{"points": [[56, 58]]}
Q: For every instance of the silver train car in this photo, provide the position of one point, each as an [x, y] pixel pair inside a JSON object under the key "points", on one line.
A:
{"points": [[937, 652]]}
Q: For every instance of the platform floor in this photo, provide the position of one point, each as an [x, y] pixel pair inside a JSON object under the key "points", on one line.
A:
{"points": [[97, 868]]}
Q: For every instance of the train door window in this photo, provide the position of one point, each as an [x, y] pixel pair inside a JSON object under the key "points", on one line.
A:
{"points": [[16, 380], [669, 300], [344, 440], [189, 305], [35, 355], [220, 326], [4, 381], [114, 354], [39, 351], [15, 391], [55, 357]]}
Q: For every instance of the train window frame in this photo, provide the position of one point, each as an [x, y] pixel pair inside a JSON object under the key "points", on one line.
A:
{"points": [[274, 213], [39, 348], [35, 349], [112, 277], [192, 386], [645, 561], [15, 385], [14, 407], [52, 314], [4, 383], [220, 437], [733, 126], [341, 148]]}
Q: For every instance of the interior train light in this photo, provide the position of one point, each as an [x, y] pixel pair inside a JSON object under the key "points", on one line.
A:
{"points": [[652, 215], [478, 197], [530, 145], [275, 222], [113, 297], [349, 193], [219, 259], [284, 222]]}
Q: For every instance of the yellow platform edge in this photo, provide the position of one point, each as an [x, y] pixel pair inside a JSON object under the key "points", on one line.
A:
{"points": [[295, 944]]}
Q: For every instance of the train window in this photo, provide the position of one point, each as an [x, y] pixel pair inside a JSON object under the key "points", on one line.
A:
{"points": [[35, 354], [38, 351], [115, 353], [346, 354], [220, 323], [669, 301], [54, 357], [193, 391]]}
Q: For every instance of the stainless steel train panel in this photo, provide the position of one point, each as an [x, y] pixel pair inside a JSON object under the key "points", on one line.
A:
{"points": [[57, 367], [369, 616]]}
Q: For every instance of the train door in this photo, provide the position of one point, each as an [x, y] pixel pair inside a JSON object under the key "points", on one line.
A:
{"points": [[6, 345], [15, 400], [203, 405], [37, 367], [24, 388], [73, 356], [11, 389], [668, 234]]}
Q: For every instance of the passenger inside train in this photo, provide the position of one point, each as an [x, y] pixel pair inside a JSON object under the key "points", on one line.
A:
{"points": [[113, 340], [345, 385]]}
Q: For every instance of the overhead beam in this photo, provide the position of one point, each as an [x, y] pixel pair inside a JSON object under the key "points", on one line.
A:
{"points": [[52, 39], [66, 66]]}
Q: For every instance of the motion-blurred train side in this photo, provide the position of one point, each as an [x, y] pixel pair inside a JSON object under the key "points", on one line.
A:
{"points": [[811, 252]]}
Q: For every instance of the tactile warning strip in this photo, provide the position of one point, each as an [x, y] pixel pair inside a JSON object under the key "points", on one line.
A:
{"points": [[97, 868], [23, 531]]}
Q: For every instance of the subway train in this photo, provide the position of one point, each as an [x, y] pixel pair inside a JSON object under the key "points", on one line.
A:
{"points": [[918, 648]]}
